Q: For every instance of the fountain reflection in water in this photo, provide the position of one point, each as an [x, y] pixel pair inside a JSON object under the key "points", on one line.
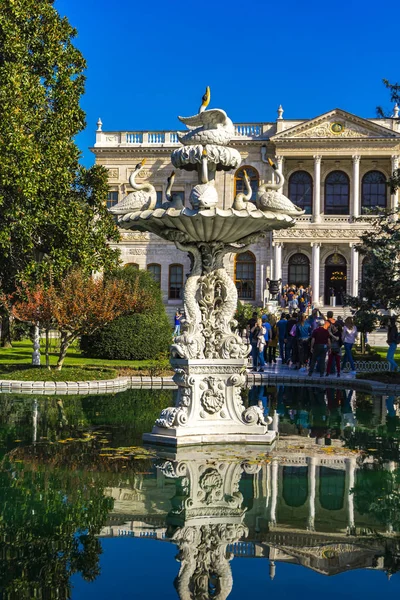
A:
{"points": [[286, 506], [70, 477]]}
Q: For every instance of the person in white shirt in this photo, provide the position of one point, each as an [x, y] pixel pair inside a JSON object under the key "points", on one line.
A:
{"points": [[349, 336]]}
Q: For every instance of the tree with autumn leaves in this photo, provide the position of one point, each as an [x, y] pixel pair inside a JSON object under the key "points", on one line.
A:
{"points": [[78, 306]]}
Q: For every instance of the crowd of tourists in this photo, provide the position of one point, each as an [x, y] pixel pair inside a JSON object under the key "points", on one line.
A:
{"points": [[303, 342], [295, 298]]}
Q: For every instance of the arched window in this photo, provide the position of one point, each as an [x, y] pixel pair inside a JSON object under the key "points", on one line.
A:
{"points": [[301, 190], [373, 191], [175, 284], [131, 266], [245, 275], [331, 488], [337, 194], [254, 181], [335, 260], [299, 270], [155, 270], [295, 486], [335, 278]]}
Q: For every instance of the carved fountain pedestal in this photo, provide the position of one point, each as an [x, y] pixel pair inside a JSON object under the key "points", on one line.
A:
{"points": [[210, 357], [210, 409]]}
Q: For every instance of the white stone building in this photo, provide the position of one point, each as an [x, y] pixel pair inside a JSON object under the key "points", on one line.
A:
{"points": [[335, 166]]}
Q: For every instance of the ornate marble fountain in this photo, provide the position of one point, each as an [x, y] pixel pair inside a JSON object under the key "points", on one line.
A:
{"points": [[209, 357]]}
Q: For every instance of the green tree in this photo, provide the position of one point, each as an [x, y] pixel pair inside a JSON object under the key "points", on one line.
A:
{"points": [[394, 90], [49, 204], [142, 335], [49, 525], [380, 285]]}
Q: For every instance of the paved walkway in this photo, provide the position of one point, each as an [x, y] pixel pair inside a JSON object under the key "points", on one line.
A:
{"points": [[278, 373], [273, 374], [284, 370]]}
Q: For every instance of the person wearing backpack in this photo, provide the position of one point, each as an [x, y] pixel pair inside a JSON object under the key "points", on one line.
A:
{"points": [[349, 336], [273, 341], [290, 340], [392, 339], [334, 351], [303, 336], [258, 342], [268, 332]]}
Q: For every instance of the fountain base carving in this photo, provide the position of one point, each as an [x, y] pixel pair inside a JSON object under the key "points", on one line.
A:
{"points": [[209, 407]]}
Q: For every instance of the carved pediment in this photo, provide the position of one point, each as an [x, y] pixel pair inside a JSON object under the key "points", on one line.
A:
{"points": [[337, 124]]}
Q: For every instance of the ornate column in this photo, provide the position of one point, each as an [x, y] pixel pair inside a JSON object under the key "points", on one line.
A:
{"points": [[350, 480], [317, 190], [279, 163], [395, 196], [354, 271], [355, 204], [312, 474], [274, 491], [315, 260], [277, 260]]}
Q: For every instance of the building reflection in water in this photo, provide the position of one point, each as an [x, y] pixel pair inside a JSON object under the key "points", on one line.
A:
{"points": [[294, 505]]}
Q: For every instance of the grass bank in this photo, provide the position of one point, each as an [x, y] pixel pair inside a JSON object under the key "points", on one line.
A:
{"points": [[386, 377], [16, 364]]}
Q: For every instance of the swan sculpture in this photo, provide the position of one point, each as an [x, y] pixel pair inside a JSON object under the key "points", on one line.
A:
{"points": [[208, 126], [269, 196], [204, 195], [144, 196], [170, 201], [242, 201]]}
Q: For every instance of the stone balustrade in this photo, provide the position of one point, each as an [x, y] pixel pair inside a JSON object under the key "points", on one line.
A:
{"points": [[248, 130], [243, 131]]}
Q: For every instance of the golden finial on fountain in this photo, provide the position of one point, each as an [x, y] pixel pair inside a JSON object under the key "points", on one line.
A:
{"points": [[205, 101]]}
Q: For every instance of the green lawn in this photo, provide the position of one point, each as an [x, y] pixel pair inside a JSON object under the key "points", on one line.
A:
{"points": [[28, 373], [382, 351], [15, 362]]}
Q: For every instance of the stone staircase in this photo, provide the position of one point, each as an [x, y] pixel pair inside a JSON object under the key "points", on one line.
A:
{"points": [[376, 338], [342, 311]]}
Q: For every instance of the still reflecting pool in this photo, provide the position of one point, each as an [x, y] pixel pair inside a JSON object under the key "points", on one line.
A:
{"points": [[87, 512]]}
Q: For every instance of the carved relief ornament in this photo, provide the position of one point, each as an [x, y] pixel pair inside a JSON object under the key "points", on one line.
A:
{"points": [[135, 236], [113, 173], [320, 233], [328, 129]]}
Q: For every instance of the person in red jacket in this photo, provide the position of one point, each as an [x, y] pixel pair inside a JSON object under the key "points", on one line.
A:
{"points": [[320, 343]]}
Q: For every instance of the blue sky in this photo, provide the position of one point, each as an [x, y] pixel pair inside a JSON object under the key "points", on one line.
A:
{"points": [[150, 61]]}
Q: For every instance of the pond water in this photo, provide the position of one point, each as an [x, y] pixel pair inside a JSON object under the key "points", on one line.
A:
{"points": [[87, 512]]}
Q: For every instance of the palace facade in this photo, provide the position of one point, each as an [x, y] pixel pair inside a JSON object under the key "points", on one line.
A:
{"points": [[335, 167]]}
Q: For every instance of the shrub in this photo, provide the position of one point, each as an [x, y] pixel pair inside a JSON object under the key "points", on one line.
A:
{"points": [[244, 312], [137, 336]]}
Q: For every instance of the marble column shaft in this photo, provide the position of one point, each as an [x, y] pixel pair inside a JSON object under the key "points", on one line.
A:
{"points": [[355, 205], [277, 261], [312, 474], [354, 271], [315, 264], [317, 190]]}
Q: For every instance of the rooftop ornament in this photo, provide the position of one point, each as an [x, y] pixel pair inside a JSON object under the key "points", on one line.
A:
{"points": [[208, 408]]}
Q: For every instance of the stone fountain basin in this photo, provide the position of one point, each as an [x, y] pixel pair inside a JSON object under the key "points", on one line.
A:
{"points": [[209, 225]]}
